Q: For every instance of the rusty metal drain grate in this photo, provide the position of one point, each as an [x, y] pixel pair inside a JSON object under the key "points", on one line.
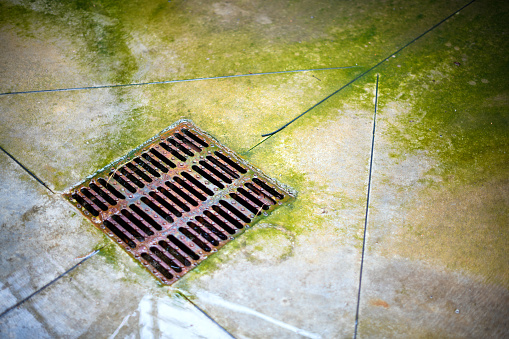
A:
{"points": [[176, 199]]}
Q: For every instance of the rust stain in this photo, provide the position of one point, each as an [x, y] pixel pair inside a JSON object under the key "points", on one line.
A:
{"points": [[379, 302], [176, 199]]}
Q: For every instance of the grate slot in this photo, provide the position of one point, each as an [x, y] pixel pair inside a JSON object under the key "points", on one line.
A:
{"points": [[197, 183], [195, 137], [188, 142], [85, 203], [207, 176], [204, 233], [110, 188], [180, 192], [147, 167], [173, 151], [189, 188], [123, 181], [230, 162], [154, 162], [121, 235], [145, 216], [128, 227], [138, 222], [268, 189], [235, 211], [106, 197], [255, 189], [227, 217], [211, 228], [139, 172], [194, 238], [246, 203], [154, 263], [175, 253], [166, 216], [224, 167], [254, 199], [219, 222], [175, 200], [94, 198], [165, 204], [129, 174], [181, 146], [170, 263], [215, 171], [183, 247], [163, 158]]}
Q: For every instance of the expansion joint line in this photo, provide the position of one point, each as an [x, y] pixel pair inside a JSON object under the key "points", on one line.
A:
{"points": [[88, 256], [363, 74], [367, 211], [27, 170], [204, 313], [173, 81]]}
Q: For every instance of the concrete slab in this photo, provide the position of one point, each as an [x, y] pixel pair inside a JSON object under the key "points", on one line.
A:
{"points": [[101, 300], [296, 273], [42, 236], [437, 244]]}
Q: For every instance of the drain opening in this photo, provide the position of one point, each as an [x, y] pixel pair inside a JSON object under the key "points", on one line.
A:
{"points": [[235, 211], [174, 252], [189, 188], [183, 247], [230, 162], [214, 170], [188, 142], [204, 234], [137, 222], [197, 183], [219, 222], [176, 199], [195, 239], [123, 181], [106, 197], [181, 193], [110, 188], [145, 217], [85, 204], [166, 260], [158, 209], [207, 176], [165, 204], [195, 138], [211, 228], [227, 217], [157, 265], [122, 236], [163, 158]]}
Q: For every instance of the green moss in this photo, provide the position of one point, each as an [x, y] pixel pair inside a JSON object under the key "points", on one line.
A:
{"points": [[457, 117]]}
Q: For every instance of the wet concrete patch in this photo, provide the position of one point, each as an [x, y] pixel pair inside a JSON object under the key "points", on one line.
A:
{"points": [[41, 236], [412, 298]]}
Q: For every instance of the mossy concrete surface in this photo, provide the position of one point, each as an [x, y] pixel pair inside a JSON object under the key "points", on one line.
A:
{"points": [[436, 262]]}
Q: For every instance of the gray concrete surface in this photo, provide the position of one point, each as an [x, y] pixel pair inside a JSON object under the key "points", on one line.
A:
{"points": [[435, 257]]}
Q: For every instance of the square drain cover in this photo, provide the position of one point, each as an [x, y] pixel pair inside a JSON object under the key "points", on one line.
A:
{"points": [[176, 199]]}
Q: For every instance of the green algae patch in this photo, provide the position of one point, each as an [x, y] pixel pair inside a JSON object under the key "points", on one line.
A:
{"points": [[465, 228], [267, 243], [452, 114]]}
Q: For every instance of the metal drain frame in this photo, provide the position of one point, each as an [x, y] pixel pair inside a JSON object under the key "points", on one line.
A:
{"points": [[176, 199]]}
